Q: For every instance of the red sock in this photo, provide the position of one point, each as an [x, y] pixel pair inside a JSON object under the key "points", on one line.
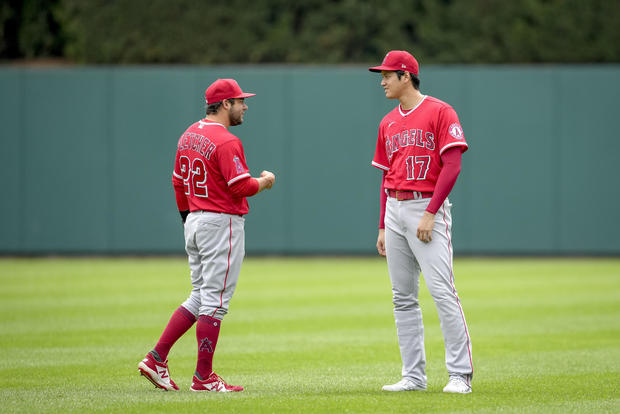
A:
{"points": [[180, 322], [207, 332]]}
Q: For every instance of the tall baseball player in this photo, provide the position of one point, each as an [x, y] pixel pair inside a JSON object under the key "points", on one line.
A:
{"points": [[419, 148], [211, 182]]}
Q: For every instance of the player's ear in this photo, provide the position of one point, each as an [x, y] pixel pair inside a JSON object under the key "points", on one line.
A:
{"points": [[226, 104]]}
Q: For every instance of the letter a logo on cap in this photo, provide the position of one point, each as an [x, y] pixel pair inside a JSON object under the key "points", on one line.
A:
{"points": [[398, 60]]}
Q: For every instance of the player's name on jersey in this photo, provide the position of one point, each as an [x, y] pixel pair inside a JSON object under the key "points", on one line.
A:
{"points": [[408, 138], [196, 142]]}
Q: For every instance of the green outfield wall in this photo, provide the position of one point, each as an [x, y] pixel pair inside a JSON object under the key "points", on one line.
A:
{"points": [[87, 153]]}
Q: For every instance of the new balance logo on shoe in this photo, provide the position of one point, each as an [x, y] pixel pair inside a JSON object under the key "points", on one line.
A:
{"points": [[163, 372], [217, 387]]}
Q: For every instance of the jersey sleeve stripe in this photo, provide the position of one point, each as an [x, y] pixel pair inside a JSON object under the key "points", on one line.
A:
{"points": [[174, 173], [239, 177], [383, 167], [453, 144]]}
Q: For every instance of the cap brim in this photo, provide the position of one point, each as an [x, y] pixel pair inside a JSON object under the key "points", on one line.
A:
{"points": [[383, 67], [245, 95]]}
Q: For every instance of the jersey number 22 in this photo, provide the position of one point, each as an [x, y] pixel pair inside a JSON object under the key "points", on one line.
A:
{"points": [[194, 177]]}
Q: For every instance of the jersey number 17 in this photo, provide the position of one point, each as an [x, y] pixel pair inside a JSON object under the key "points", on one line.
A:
{"points": [[421, 163]]}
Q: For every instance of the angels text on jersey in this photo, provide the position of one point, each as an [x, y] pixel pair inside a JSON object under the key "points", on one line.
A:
{"points": [[407, 138]]}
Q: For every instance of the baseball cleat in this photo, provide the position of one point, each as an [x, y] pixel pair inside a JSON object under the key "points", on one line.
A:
{"points": [[457, 385], [214, 384], [157, 373], [404, 385]]}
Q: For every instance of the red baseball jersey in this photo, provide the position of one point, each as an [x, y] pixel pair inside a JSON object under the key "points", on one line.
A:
{"points": [[410, 144], [209, 159]]}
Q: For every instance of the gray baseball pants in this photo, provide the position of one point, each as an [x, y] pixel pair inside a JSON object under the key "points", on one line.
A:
{"points": [[406, 257], [215, 246]]}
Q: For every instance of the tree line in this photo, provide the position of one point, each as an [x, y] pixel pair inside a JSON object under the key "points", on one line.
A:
{"points": [[309, 31]]}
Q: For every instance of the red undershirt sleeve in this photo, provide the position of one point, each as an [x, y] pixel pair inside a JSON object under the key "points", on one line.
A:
{"points": [[383, 201], [179, 193], [246, 187], [451, 160]]}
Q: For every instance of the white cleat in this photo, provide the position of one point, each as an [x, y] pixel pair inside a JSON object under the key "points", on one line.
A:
{"points": [[404, 385], [457, 385]]}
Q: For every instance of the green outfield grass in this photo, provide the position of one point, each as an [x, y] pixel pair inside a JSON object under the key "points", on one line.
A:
{"points": [[307, 336]]}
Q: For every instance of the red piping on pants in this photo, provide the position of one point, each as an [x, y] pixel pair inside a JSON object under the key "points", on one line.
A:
{"points": [[227, 269], [471, 363]]}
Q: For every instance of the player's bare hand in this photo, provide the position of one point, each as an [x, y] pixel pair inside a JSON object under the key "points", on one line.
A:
{"points": [[268, 178], [381, 242], [425, 227]]}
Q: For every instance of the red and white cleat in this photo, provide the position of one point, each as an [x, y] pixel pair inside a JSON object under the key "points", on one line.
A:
{"points": [[214, 384], [157, 373]]}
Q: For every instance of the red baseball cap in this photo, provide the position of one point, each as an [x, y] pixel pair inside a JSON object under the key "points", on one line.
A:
{"points": [[398, 60], [224, 89]]}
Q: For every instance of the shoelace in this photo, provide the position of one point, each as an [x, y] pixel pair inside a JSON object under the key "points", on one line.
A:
{"points": [[167, 369], [218, 378], [459, 378]]}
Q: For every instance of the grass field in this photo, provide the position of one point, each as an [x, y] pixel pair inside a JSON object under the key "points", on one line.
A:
{"points": [[307, 336]]}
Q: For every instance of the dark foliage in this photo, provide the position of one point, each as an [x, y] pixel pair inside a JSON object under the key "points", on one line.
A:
{"points": [[311, 31]]}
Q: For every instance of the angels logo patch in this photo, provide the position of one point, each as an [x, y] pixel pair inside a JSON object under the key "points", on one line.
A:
{"points": [[238, 164], [456, 131]]}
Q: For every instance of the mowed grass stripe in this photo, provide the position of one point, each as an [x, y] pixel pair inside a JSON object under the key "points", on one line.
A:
{"points": [[307, 335]]}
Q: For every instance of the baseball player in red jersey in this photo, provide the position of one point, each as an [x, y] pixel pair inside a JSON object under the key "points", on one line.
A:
{"points": [[211, 182], [419, 149]]}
